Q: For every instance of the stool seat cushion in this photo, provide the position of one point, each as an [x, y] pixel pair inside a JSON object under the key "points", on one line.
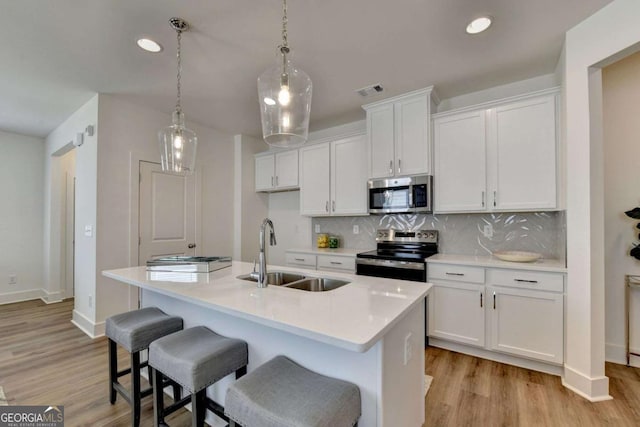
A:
{"points": [[135, 330], [197, 357], [281, 393]]}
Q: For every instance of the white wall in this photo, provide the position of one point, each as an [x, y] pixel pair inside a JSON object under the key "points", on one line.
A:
{"points": [[292, 229], [250, 208], [129, 131], [58, 142], [592, 43], [21, 216], [621, 96]]}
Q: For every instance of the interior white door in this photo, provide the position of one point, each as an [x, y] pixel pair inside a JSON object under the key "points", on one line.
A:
{"points": [[70, 206], [167, 213]]}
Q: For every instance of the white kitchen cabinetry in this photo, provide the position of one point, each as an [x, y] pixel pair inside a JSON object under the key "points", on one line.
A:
{"points": [[501, 157], [515, 312], [320, 261], [276, 171], [456, 304], [399, 135], [333, 178]]}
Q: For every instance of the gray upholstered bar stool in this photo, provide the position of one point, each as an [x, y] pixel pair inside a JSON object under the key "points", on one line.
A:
{"points": [[282, 393], [195, 358], [134, 331]]}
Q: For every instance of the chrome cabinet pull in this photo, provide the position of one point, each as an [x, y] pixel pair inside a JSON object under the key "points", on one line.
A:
{"points": [[454, 274], [299, 259], [481, 300], [326, 206], [276, 180], [494, 300], [390, 167], [272, 181], [494, 198], [525, 281], [483, 199], [335, 262], [399, 165], [333, 205]]}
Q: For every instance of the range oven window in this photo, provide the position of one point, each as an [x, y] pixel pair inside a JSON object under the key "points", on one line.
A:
{"points": [[389, 198]]}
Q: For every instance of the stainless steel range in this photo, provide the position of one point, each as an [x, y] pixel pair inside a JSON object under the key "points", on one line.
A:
{"points": [[399, 255]]}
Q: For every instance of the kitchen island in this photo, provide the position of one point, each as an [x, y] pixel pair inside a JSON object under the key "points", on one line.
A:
{"points": [[370, 331]]}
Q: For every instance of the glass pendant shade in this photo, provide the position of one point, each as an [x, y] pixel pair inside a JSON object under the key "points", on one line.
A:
{"points": [[178, 147], [284, 92]]}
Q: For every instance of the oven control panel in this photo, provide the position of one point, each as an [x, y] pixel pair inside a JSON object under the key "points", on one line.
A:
{"points": [[393, 235]]}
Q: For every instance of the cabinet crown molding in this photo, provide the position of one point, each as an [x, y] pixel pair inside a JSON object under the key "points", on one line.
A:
{"points": [[430, 90], [498, 102]]}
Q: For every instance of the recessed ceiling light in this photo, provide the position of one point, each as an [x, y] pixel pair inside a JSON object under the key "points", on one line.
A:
{"points": [[149, 45], [478, 25]]}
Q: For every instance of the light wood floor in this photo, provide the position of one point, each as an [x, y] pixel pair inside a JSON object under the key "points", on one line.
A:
{"points": [[45, 360]]}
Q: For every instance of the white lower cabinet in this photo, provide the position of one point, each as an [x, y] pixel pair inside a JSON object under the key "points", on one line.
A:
{"points": [[515, 312], [527, 323], [341, 263]]}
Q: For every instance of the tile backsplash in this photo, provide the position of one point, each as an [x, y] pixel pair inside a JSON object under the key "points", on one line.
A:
{"points": [[462, 234]]}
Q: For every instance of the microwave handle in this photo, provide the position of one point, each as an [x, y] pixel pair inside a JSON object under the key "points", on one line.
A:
{"points": [[411, 197]]}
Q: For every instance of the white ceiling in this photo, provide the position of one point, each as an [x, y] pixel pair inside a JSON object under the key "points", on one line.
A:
{"points": [[56, 54]]}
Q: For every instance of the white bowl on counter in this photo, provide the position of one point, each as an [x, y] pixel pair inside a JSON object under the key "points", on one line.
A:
{"points": [[517, 256]]}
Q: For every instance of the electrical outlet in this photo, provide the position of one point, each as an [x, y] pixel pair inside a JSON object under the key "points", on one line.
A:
{"points": [[488, 231], [317, 228], [356, 229], [408, 348], [13, 279], [90, 301]]}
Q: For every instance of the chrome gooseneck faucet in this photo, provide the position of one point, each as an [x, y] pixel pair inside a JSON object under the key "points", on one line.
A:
{"points": [[262, 258]]}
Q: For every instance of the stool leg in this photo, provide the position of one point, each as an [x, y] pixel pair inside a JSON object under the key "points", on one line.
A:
{"points": [[135, 389], [113, 370], [177, 392], [158, 399], [198, 408]]}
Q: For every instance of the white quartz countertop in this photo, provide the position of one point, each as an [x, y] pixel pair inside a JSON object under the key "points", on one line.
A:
{"points": [[347, 252], [353, 317], [550, 265]]}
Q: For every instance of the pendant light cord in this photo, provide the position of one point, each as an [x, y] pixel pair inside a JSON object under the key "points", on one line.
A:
{"points": [[284, 48], [179, 72]]}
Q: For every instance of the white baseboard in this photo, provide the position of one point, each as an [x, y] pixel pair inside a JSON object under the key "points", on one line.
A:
{"points": [[94, 330], [19, 296], [593, 389], [498, 357], [618, 354], [51, 297]]}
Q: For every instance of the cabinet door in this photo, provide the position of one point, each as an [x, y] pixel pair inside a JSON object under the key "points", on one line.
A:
{"points": [[412, 154], [381, 135], [286, 169], [456, 312], [460, 163], [314, 180], [349, 176], [525, 144], [265, 172], [527, 323]]}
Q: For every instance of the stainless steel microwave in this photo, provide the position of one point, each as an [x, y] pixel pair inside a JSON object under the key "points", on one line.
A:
{"points": [[410, 194]]}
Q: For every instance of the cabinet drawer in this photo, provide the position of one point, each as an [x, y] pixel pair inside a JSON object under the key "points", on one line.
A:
{"points": [[295, 258], [336, 263], [526, 279], [457, 273]]}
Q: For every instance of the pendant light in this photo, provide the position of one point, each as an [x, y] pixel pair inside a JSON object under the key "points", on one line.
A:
{"points": [[177, 143], [284, 92]]}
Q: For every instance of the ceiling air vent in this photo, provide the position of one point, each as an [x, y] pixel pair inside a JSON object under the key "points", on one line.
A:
{"points": [[370, 90]]}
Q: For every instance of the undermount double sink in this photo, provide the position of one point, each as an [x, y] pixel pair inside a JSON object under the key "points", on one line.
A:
{"points": [[298, 281]]}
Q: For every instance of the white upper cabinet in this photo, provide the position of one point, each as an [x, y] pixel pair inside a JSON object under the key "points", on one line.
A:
{"points": [[333, 178], [460, 162], [398, 132], [501, 158], [276, 171]]}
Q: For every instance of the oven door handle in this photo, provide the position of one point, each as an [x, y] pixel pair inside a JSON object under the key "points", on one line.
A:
{"points": [[391, 263]]}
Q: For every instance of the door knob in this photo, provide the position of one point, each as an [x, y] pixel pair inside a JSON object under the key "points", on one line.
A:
{"points": [[191, 245]]}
